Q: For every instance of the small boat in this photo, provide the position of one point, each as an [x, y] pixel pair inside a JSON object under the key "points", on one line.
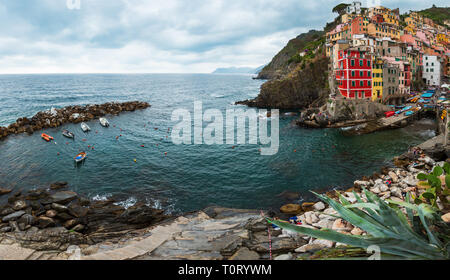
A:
{"points": [[80, 157], [104, 122], [46, 137], [85, 127], [68, 134]]}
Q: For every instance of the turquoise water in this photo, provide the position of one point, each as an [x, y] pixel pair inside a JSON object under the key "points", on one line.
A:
{"points": [[190, 177]]}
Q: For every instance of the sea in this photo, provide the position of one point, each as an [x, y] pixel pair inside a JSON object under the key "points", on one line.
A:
{"points": [[144, 165]]}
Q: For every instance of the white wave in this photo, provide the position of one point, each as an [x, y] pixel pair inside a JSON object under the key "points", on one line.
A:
{"points": [[131, 201], [104, 197]]}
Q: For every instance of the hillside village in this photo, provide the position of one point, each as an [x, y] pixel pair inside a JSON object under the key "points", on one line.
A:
{"points": [[378, 54]]}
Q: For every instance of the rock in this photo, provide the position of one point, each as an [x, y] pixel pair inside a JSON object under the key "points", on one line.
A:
{"points": [[4, 191], [244, 254], [63, 216], [5, 229], [446, 218], [51, 213], [59, 207], [393, 176], [375, 190], [78, 228], [291, 209], [383, 187], [58, 185], [285, 257], [319, 206], [78, 211], [361, 183], [396, 192], [27, 219], [325, 243], [71, 223], [63, 197], [12, 217], [6, 211], [310, 248], [45, 222], [341, 225], [311, 218], [324, 224], [410, 180], [19, 205], [356, 231]]}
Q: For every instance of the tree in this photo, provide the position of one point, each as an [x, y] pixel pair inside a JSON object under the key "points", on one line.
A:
{"points": [[340, 9]]}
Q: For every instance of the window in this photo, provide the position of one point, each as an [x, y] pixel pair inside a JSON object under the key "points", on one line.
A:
{"points": [[361, 62], [361, 83], [353, 73], [361, 73], [353, 62], [353, 83]]}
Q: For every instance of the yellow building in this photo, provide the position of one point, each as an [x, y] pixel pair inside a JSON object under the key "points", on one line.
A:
{"points": [[381, 30], [377, 79], [442, 38]]}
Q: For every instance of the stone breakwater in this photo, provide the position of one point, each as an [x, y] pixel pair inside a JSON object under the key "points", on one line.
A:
{"points": [[54, 217], [71, 114]]}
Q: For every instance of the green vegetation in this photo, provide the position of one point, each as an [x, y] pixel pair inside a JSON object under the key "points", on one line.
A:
{"points": [[311, 51], [434, 184], [437, 14], [280, 63], [419, 234], [340, 8]]}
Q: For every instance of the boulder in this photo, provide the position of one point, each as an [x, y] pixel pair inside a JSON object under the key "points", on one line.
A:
{"points": [[244, 254], [285, 257], [58, 185], [446, 218], [19, 205], [4, 191], [45, 222], [342, 225], [63, 197], [291, 209], [14, 216], [309, 248], [319, 206]]}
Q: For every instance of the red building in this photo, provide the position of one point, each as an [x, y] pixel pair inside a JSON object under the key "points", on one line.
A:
{"points": [[357, 26], [354, 74]]}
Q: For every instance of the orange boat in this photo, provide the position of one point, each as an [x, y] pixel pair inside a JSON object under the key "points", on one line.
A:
{"points": [[80, 157], [46, 137]]}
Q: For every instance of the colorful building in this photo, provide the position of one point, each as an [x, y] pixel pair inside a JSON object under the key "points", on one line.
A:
{"points": [[354, 74], [377, 79]]}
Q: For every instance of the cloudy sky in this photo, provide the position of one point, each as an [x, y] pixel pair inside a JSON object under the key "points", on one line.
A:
{"points": [[155, 36]]}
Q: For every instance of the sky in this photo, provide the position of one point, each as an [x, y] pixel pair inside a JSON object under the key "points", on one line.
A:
{"points": [[156, 36]]}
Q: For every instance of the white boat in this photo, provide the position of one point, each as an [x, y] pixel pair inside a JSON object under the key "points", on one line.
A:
{"points": [[104, 122], [85, 127]]}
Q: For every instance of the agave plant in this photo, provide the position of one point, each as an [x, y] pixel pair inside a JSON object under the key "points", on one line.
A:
{"points": [[396, 234]]}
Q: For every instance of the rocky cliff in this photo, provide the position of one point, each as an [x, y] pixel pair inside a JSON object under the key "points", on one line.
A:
{"points": [[306, 85]]}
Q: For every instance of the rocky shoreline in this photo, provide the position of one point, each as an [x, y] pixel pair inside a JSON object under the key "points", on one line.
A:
{"points": [[53, 218], [70, 114]]}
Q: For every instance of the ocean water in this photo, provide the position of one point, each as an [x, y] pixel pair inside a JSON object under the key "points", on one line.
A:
{"points": [[189, 177]]}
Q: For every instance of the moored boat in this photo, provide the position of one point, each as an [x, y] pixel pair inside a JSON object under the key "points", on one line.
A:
{"points": [[68, 134], [104, 122], [85, 127], [80, 157]]}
